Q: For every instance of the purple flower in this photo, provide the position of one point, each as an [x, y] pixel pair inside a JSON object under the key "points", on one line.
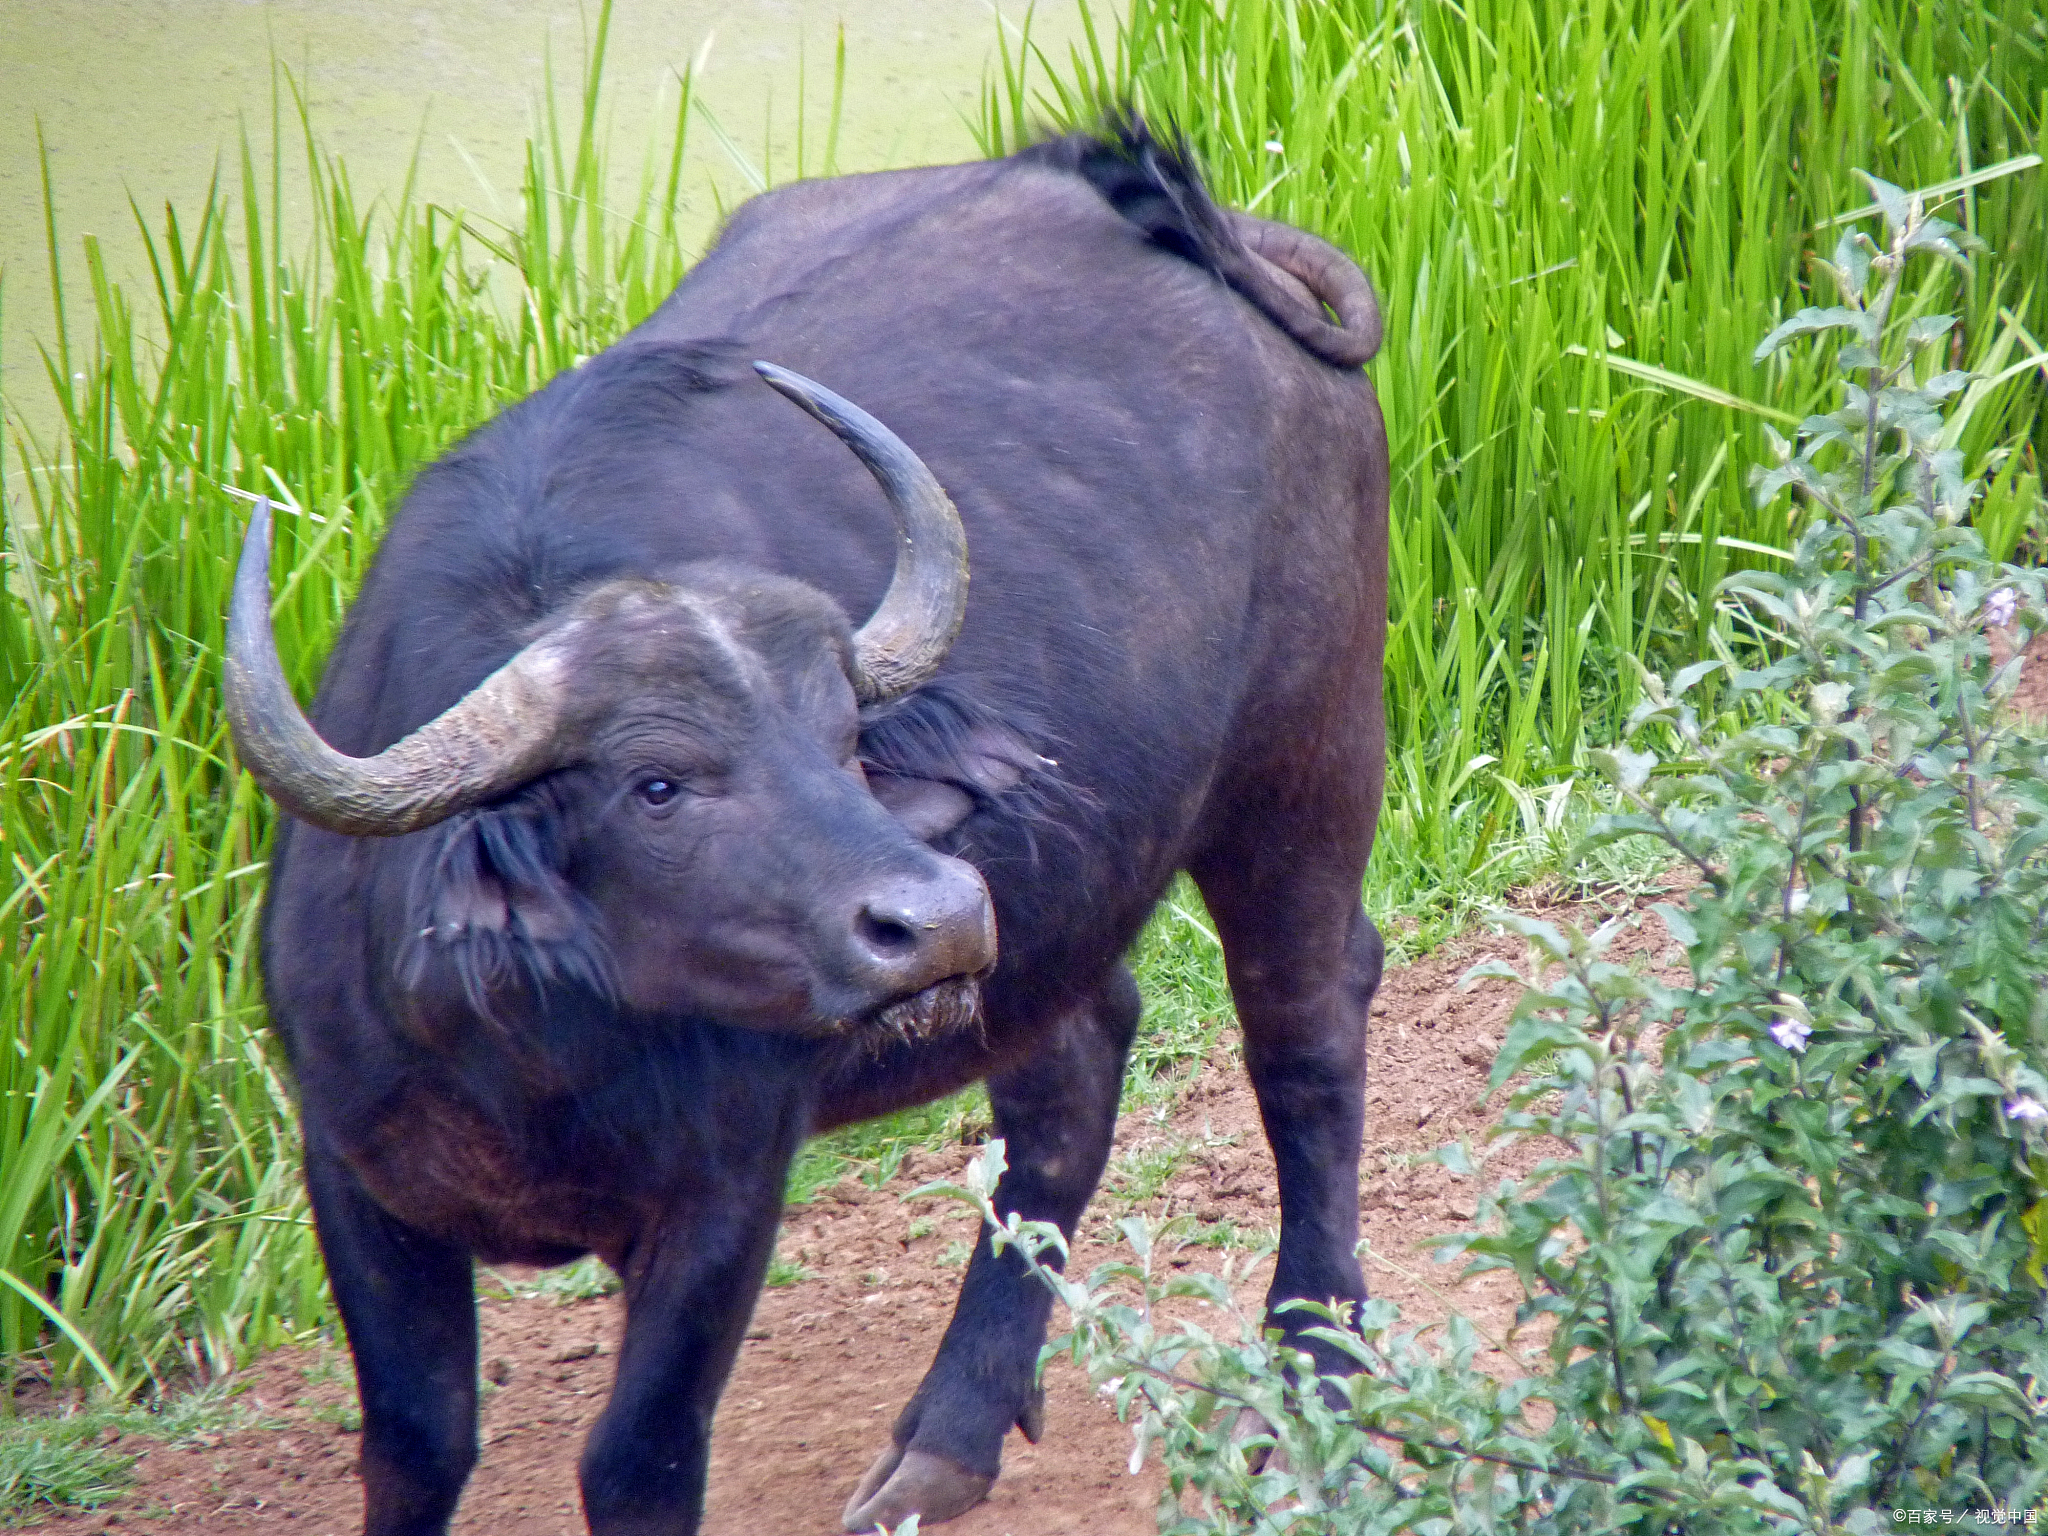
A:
{"points": [[1791, 1034], [2000, 606], [2025, 1107]]}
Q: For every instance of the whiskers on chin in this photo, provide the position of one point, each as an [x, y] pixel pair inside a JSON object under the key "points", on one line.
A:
{"points": [[950, 1007]]}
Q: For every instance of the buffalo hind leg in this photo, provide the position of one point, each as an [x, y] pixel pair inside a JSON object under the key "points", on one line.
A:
{"points": [[408, 1303], [1057, 1117], [1304, 962]]}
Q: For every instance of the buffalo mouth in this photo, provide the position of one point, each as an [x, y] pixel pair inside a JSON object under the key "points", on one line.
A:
{"points": [[945, 1008]]}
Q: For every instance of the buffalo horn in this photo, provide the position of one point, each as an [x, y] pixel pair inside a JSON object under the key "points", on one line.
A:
{"points": [[505, 731], [909, 633]]}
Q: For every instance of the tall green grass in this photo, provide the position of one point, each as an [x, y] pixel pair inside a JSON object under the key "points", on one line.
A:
{"points": [[1578, 213], [150, 1212]]}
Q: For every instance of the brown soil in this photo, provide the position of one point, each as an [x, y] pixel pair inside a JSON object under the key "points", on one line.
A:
{"points": [[830, 1359], [2030, 698]]}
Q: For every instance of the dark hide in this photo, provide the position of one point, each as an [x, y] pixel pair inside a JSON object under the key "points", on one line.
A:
{"points": [[578, 1020]]}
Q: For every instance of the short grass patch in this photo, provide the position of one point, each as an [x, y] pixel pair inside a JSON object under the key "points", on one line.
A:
{"points": [[57, 1462], [79, 1458]]}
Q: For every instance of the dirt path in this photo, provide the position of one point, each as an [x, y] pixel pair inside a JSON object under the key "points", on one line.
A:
{"points": [[831, 1358], [2030, 696]]}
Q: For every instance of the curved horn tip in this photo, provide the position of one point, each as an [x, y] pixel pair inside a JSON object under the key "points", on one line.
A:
{"points": [[256, 538], [248, 635], [498, 733], [822, 404], [907, 636], [788, 382]]}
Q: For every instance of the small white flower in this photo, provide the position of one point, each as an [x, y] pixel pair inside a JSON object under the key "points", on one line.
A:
{"points": [[1275, 147], [2026, 1107], [1791, 1034], [2000, 606]]}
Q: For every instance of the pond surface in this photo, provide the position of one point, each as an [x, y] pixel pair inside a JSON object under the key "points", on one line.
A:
{"points": [[144, 97]]}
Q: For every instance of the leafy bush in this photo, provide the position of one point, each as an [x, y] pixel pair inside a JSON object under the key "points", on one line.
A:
{"points": [[1809, 1235], [1418, 1435], [1794, 1249]]}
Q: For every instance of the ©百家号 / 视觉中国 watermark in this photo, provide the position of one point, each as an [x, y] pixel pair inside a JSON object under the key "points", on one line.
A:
{"points": [[1967, 1517]]}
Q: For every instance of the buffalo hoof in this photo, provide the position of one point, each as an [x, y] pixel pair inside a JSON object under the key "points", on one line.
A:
{"points": [[903, 1483], [1251, 1425]]}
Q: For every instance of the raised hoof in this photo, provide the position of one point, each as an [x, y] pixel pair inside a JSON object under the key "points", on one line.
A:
{"points": [[904, 1483], [1032, 1419]]}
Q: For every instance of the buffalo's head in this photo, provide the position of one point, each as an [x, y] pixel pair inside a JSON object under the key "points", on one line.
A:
{"points": [[661, 794]]}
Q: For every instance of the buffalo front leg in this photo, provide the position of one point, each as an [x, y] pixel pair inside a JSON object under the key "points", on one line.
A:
{"points": [[1057, 1116], [689, 1290], [408, 1303], [1304, 962]]}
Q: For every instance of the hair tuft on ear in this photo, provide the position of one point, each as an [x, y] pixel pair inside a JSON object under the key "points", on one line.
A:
{"points": [[490, 903]]}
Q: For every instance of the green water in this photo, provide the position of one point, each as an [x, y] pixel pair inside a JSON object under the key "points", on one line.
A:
{"points": [[143, 98]]}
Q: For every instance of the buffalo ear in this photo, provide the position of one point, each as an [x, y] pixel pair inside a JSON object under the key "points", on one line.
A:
{"points": [[936, 756], [491, 902], [927, 808], [933, 791]]}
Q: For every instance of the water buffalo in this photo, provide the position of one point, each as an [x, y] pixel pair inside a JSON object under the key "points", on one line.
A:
{"points": [[620, 861]]}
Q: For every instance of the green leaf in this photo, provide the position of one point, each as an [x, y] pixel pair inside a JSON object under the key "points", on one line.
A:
{"points": [[1890, 200], [1679, 923], [1852, 262], [1545, 936], [1457, 1157], [1929, 328], [1850, 1476], [1530, 1036], [1988, 1390], [1489, 969], [1810, 322], [1687, 677], [1629, 769]]}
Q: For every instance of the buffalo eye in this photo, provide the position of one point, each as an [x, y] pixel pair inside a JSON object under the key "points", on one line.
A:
{"points": [[656, 790]]}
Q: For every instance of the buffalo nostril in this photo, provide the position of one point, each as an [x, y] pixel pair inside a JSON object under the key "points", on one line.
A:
{"points": [[885, 935], [910, 933]]}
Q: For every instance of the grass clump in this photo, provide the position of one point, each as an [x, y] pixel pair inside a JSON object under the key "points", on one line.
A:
{"points": [[56, 1463], [786, 1272], [581, 1280], [80, 1458]]}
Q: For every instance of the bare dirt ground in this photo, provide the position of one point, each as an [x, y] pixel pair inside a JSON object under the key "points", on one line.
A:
{"points": [[2031, 696], [831, 1358]]}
